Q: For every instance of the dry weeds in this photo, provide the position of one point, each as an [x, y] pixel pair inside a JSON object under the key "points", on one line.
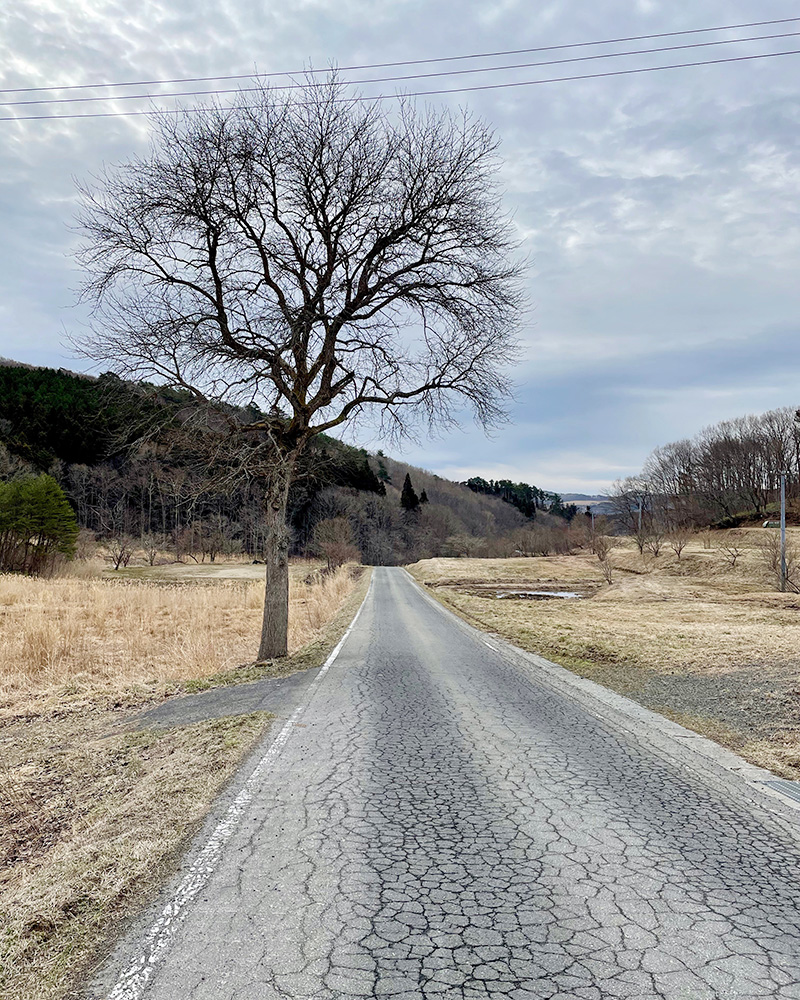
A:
{"points": [[74, 636], [693, 637], [94, 812], [92, 818]]}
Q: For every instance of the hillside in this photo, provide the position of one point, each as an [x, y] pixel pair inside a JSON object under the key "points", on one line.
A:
{"points": [[133, 466]]}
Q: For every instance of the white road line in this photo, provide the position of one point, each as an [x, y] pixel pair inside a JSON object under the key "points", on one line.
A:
{"points": [[132, 982]]}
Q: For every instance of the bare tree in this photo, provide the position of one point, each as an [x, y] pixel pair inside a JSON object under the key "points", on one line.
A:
{"points": [[769, 545], [603, 544], [152, 545], [732, 546], [631, 502], [333, 539], [654, 537], [120, 550], [728, 468], [314, 254], [678, 540]]}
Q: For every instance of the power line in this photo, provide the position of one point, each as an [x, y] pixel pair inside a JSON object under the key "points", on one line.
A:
{"points": [[406, 62], [412, 76], [430, 93]]}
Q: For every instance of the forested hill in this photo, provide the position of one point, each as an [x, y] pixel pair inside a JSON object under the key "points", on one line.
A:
{"points": [[123, 457], [526, 498], [48, 415]]}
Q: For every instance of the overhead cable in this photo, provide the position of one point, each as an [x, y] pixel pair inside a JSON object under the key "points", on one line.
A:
{"points": [[404, 62], [401, 79], [425, 93]]}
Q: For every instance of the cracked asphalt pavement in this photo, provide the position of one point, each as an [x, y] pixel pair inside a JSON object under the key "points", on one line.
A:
{"points": [[443, 822]]}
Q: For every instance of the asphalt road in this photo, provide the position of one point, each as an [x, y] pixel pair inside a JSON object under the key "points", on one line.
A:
{"points": [[441, 821]]}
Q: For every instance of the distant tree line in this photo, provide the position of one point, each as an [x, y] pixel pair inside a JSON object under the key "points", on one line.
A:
{"points": [[727, 474], [527, 499]]}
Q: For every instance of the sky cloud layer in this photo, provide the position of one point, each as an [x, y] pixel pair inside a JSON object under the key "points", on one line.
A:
{"points": [[659, 211]]}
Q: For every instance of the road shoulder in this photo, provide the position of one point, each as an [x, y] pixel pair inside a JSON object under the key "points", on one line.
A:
{"points": [[124, 965], [726, 770]]}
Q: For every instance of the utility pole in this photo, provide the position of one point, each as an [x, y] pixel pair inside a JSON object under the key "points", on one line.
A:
{"points": [[783, 532]]}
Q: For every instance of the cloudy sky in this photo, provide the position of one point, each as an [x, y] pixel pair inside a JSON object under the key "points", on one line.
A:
{"points": [[660, 210]]}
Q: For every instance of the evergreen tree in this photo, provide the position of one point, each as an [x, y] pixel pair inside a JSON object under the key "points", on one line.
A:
{"points": [[408, 498], [423, 497], [36, 524]]}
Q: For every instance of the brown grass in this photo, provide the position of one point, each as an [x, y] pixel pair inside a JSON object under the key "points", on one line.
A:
{"points": [[73, 635], [94, 811], [692, 614], [91, 823]]}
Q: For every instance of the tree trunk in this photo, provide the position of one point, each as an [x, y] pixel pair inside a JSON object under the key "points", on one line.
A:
{"points": [[275, 626]]}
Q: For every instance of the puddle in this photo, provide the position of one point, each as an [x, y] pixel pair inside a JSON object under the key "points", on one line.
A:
{"points": [[535, 595]]}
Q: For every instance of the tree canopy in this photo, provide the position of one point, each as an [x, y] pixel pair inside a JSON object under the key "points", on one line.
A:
{"points": [[315, 254], [527, 499], [36, 524]]}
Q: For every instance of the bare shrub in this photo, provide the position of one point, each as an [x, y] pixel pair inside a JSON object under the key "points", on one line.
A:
{"points": [[769, 546], [603, 544], [464, 546], [599, 526], [218, 540], [679, 539], [333, 540], [86, 545], [152, 544], [120, 550], [654, 539], [543, 540], [732, 546]]}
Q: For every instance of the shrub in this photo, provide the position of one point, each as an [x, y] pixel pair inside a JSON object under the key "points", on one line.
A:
{"points": [[732, 546], [770, 551], [333, 539], [603, 544]]}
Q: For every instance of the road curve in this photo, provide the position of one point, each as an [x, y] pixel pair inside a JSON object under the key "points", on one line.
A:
{"points": [[441, 822]]}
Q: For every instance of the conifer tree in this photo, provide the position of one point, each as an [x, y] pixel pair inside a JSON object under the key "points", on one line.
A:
{"points": [[36, 524], [408, 498]]}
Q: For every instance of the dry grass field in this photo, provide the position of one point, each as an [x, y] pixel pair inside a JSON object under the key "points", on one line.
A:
{"points": [[93, 810], [712, 645], [72, 637]]}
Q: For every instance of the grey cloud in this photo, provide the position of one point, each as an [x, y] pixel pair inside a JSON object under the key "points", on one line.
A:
{"points": [[660, 210]]}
